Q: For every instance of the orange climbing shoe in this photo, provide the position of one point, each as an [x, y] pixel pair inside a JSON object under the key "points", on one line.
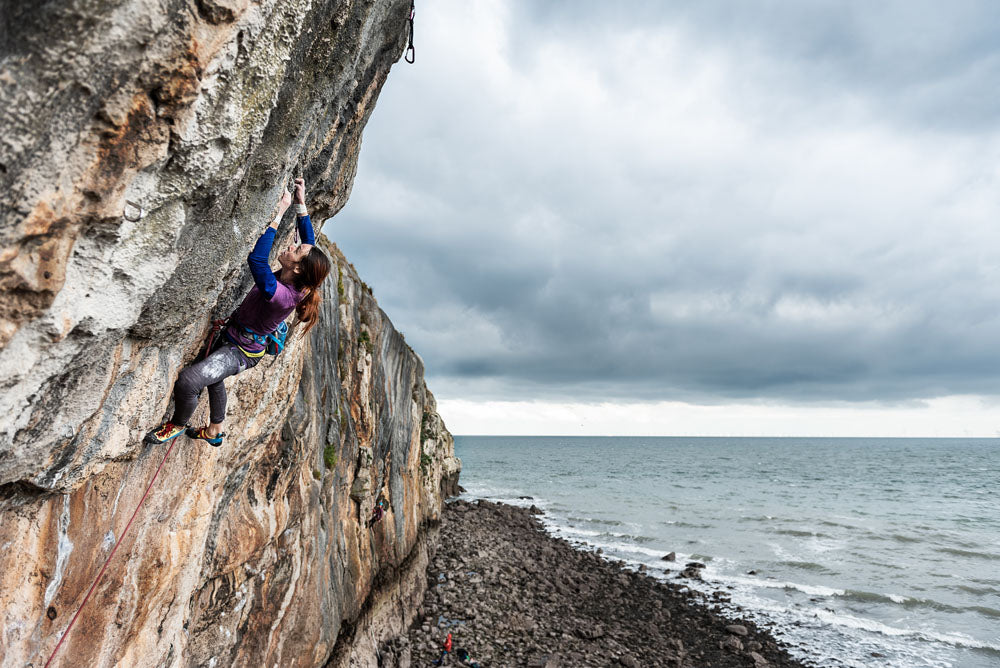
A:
{"points": [[167, 431], [202, 433]]}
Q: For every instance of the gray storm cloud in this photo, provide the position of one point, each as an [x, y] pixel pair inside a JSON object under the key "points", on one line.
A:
{"points": [[754, 200]]}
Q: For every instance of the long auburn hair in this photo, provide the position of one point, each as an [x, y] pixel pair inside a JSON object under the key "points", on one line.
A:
{"points": [[313, 269]]}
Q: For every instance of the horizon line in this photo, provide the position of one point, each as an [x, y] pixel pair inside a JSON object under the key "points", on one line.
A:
{"points": [[995, 437]]}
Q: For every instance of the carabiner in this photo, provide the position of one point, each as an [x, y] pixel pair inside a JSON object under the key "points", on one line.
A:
{"points": [[138, 217]]}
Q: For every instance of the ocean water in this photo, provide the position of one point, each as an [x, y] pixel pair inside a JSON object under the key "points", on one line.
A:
{"points": [[864, 552]]}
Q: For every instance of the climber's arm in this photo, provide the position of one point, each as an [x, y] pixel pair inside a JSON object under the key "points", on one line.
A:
{"points": [[263, 277], [259, 268], [303, 221], [306, 230]]}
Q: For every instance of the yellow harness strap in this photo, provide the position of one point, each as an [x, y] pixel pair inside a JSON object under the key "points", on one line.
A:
{"points": [[259, 353]]}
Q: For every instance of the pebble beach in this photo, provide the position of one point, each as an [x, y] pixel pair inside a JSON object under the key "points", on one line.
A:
{"points": [[510, 594]]}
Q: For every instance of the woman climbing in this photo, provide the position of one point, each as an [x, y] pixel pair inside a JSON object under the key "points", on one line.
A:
{"points": [[275, 294]]}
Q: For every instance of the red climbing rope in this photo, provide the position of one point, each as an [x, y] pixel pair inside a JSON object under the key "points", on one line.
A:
{"points": [[108, 560]]}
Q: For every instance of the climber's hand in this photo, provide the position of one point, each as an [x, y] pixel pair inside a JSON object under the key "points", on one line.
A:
{"points": [[286, 201], [300, 191]]}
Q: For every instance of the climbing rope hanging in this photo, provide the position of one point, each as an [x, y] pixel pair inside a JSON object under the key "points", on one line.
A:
{"points": [[110, 556], [411, 54]]}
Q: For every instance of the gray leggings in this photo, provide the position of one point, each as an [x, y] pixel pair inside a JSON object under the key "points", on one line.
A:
{"points": [[225, 360]]}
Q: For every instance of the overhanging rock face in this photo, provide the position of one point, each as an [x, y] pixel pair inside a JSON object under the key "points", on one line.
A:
{"points": [[142, 149]]}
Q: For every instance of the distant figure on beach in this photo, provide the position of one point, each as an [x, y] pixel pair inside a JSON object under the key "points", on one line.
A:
{"points": [[256, 327]]}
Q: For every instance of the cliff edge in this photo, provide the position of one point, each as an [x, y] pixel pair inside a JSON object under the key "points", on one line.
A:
{"points": [[142, 150]]}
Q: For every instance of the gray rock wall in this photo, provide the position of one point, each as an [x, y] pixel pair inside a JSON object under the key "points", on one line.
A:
{"points": [[198, 112], [257, 553]]}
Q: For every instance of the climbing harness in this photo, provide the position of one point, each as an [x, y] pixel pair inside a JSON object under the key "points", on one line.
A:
{"points": [[273, 343], [276, 339], [218, 326], [137, 217], [411, 54], [110, 556]]}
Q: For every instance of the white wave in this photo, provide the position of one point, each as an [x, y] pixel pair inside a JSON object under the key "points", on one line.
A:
{"points": [[782, 554], [809, 590], [510, 497], [588, 537], [791, 620], [819, 545], [575, 531], [825, 637], [872, 626]]}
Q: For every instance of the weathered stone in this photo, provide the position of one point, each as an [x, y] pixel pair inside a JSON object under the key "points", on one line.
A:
{"points": [[142, 149], [737, 629], [590, 631], [359, 490]]}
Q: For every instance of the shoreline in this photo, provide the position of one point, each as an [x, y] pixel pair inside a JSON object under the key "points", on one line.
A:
{"points": [[511, 594]]}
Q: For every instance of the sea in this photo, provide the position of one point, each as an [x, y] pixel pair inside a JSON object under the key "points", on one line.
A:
{"points": [[853, 551]]}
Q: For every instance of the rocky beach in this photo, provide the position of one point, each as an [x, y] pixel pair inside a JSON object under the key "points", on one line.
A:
{"points": [[512, 595]]}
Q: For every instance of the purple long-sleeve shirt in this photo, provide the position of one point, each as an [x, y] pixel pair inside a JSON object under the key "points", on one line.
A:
{"points": [[269, 301]]}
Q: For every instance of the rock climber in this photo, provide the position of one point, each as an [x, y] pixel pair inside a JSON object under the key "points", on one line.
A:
{"points": [[295, 286]]}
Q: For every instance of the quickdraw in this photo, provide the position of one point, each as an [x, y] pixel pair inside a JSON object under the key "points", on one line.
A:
{"points": [[411, 54], [217, 326]]}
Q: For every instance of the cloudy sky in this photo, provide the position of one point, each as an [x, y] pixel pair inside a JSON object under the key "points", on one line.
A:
{"points": [[693, 218]]}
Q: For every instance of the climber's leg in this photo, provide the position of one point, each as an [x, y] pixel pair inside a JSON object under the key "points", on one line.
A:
{"points": [[213, 434], [236, 362], [223, 362], [203, 434], [167, 431]]}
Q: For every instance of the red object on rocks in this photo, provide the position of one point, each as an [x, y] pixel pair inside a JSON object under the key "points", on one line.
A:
{"points": [[447, 643]]}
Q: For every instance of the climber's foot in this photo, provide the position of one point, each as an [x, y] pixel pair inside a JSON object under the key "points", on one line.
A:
{"points": [[167, 431], [202, 433]]}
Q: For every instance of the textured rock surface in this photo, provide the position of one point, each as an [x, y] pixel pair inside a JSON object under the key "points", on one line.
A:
{"points": [[257, 553]]}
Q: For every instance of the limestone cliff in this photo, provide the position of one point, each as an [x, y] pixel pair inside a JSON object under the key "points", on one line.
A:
{"points": [[142, 148]]}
